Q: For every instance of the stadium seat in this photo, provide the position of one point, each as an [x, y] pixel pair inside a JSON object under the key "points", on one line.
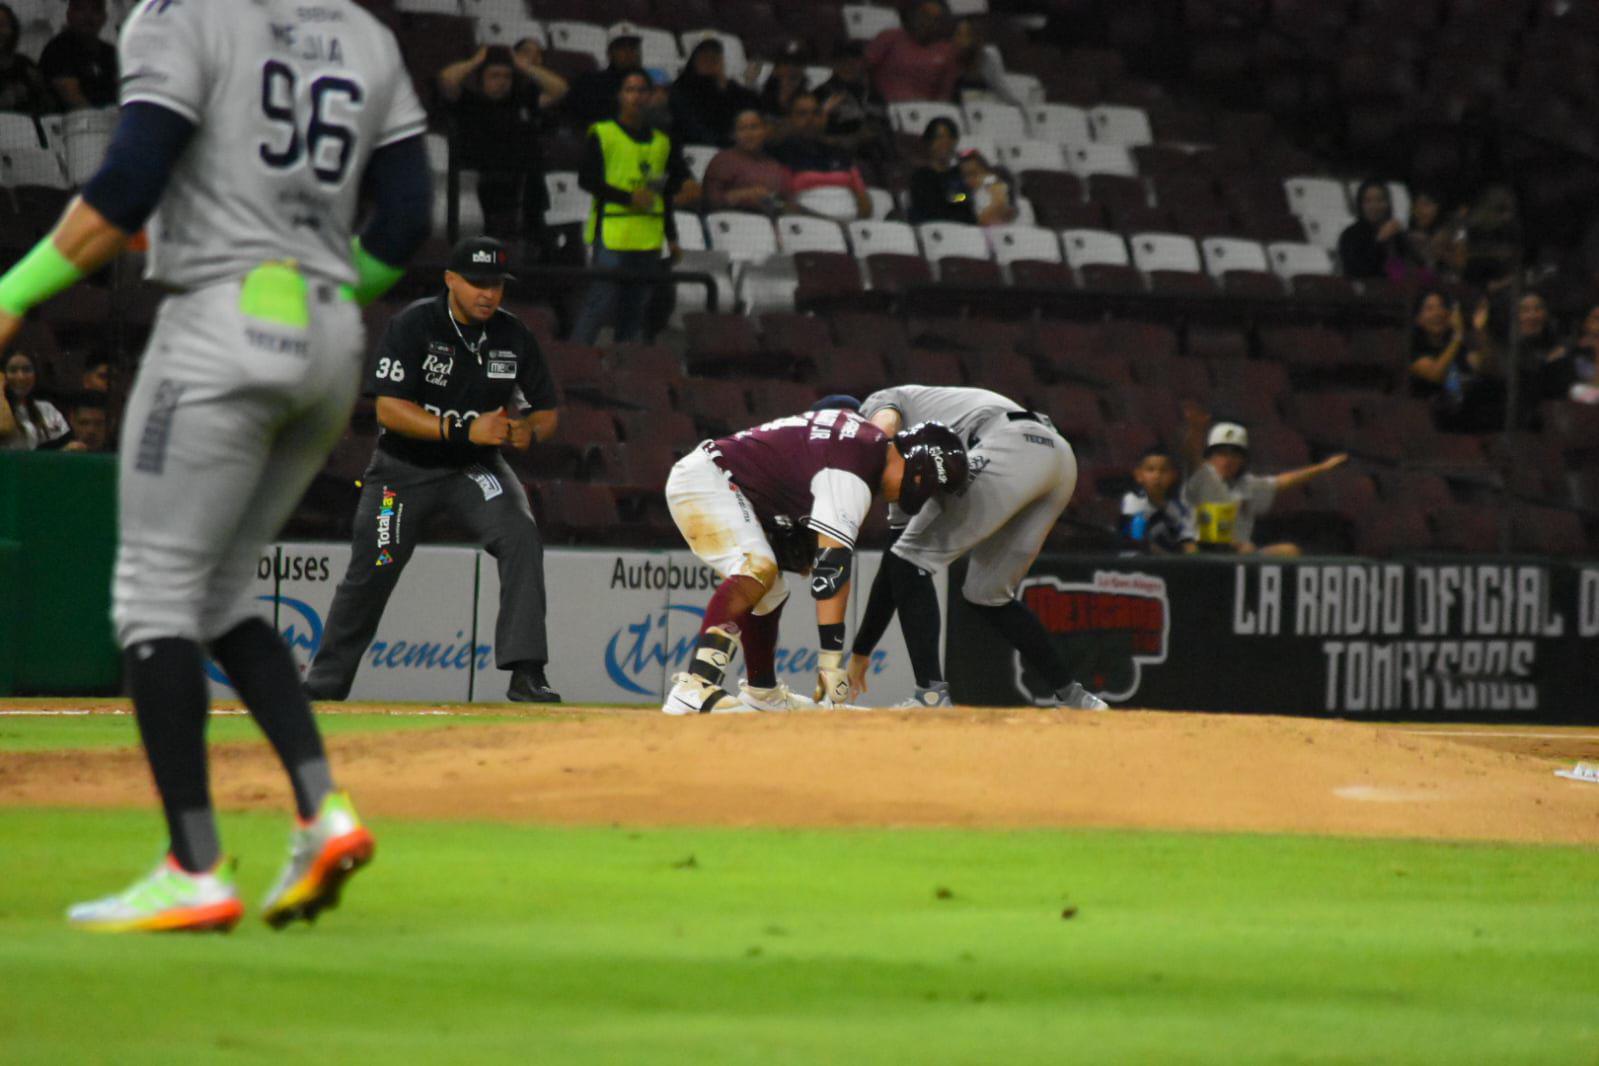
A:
{"points": [[779, 399], [940, 240], [1547, 531], [1086, 159], [743, 236], [1312, 196], [720, 343], [1017, 242], [995, 121], [1224, 343], [568, 202], [862, 22], [825, 276], [830, 201], [428, 7], [853, 371], [912, 116], [1398, 198], [733, 54], [1021, 155], [873, 238], [25, 165], [697, 157], [883, 334], [1165, 251], [690, 231], [1324, 230], [1040, 274], [1086, 247], [926, 367], [801, 233], [1125, 126], [894, 272], [882, 202], [1289, 259], [794, 337], [1224, 254], [575, 367], [1060, 124], [574, 510], [506, 26], [87, 134], [655, 359], [570, 35]]}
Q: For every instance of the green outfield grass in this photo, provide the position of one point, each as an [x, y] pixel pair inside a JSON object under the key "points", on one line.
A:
{"points": [[75, 732], [474, 943]]}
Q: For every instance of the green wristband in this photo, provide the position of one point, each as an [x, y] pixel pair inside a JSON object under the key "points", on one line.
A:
{"points": [[41, 274], [373, 277]]}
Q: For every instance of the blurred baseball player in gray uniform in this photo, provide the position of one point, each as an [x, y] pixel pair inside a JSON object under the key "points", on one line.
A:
{"points": [[248, 131], [1022, 476]]}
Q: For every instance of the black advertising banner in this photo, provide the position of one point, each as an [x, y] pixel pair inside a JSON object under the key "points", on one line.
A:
{"points": [[1512, 639]]}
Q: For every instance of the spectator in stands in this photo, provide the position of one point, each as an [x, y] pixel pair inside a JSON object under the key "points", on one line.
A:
{"points": [[22, 87], [27, 422], [1154, 517], [594, 95], [1433, 241], [90, 422], [817, 164], [857, 117], [1440, 360], [938, 189], [1227, 500], [1373, 246], [982, 66], [81, 68], [1575, 374], [744, 177], [704, 100], [495, 97], [918, 62], [1493, 240], [987, 190], [786, 81], [634, 171], [96, 375]]}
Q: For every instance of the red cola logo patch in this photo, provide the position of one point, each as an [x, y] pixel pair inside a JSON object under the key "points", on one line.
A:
{"points": [[1107, 629]]}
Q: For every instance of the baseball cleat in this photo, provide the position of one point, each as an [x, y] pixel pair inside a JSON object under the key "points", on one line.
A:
{"points": [[1077, 698], [776, 698], [323, 854], [530, 686], [692, 694], [934, 695], [169, 899]]}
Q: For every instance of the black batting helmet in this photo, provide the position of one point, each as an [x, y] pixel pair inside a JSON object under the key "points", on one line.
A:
{"points": [[935, 463]]}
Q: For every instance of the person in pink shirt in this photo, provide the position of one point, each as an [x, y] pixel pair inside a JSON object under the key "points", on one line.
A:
{"points": [[919, 62], [744, 177]]}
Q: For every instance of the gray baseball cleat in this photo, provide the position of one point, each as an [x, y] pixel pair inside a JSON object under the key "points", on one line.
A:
{"points": [[1077, 698], [934, 695]]}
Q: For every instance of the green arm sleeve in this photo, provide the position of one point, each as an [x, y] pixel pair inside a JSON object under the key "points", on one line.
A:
{"points": [[41, 274], [374, 277]]}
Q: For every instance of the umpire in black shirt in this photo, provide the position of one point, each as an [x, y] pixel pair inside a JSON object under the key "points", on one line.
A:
{"points": [[456, 377]]}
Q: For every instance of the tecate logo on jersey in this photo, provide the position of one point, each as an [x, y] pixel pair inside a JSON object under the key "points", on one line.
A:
{"points": [[641, 655]]}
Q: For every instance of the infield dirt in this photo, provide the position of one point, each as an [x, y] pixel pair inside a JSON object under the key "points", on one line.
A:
{"points": [[969, 768]]}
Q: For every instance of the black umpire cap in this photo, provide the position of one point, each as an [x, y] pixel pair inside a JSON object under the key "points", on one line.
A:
{"points": [[481, 260]]}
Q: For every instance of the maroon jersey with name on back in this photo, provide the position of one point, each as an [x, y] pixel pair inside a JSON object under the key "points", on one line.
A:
{"points": [[818, 469]]}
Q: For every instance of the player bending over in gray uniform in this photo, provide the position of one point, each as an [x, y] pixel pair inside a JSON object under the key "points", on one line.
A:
{"points": [[1022, 476], [248, 130]]}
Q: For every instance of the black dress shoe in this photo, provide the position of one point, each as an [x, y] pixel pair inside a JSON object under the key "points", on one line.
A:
{"points": [[529, 686]]}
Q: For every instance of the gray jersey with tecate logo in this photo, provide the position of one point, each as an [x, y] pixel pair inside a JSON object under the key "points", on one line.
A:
{"points": [[962, 410], [291, 98]]}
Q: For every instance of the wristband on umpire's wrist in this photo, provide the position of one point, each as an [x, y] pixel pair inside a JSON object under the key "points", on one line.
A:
{"points": [[461, 430]]}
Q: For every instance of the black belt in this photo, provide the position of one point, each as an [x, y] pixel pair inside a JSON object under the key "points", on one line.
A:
{"points": [[1028, 416]]}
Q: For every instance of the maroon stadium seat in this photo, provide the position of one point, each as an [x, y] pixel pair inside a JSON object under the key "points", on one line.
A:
{"points": [[894, 272], [644, 391], [577, 510], [1028, 273], [778, 399], [665, 430], [855, 371], [880, 333], [720, 344], [825, 275], [793, 337], [646, 359], [1547, 531], [717, 407]]}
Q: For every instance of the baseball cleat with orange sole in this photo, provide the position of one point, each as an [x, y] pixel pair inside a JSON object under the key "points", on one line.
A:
{"points": [[169, 899], [323, 855]]}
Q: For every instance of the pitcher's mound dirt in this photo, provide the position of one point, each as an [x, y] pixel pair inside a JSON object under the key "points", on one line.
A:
{"points": [[956, 768]]}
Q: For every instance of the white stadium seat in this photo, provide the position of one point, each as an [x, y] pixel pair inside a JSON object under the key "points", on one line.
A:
{"points": [[962, 8], [697, 157], [981, 145], [801, 233], [1025, 215], [1086, 159], [1025, 88], [912, 116], [1031, 155], [438, 149], [429, 7], [882, 201], [862, 22], [1398, 197], [18, 131], [1290, 259], [1061, 123], [469, 209], [1118, 124], [1088, 247], [941, 240], [768, 285], [1316, 196], [690, 234], [830, 201], [1232, 253], [572, 36], [657, 48], [744, 237], [873, 238], [1165, 251], [691, 297], [568, 203], [31, 165], [1324, 230], [997, 122], [508, 31], [87, 135], [1032, 243]]}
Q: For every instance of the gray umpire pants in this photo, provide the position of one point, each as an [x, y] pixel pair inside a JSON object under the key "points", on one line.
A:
{"points": [[396, 500]]}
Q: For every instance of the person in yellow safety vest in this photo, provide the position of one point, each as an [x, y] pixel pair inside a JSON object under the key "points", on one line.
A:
{"points": [[633, 171]]}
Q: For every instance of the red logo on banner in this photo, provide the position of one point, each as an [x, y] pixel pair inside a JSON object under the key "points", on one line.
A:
{"points": [[1124, 619]]}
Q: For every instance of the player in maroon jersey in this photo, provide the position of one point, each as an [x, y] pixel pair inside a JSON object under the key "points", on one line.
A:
{"points": [[790, 494]]}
